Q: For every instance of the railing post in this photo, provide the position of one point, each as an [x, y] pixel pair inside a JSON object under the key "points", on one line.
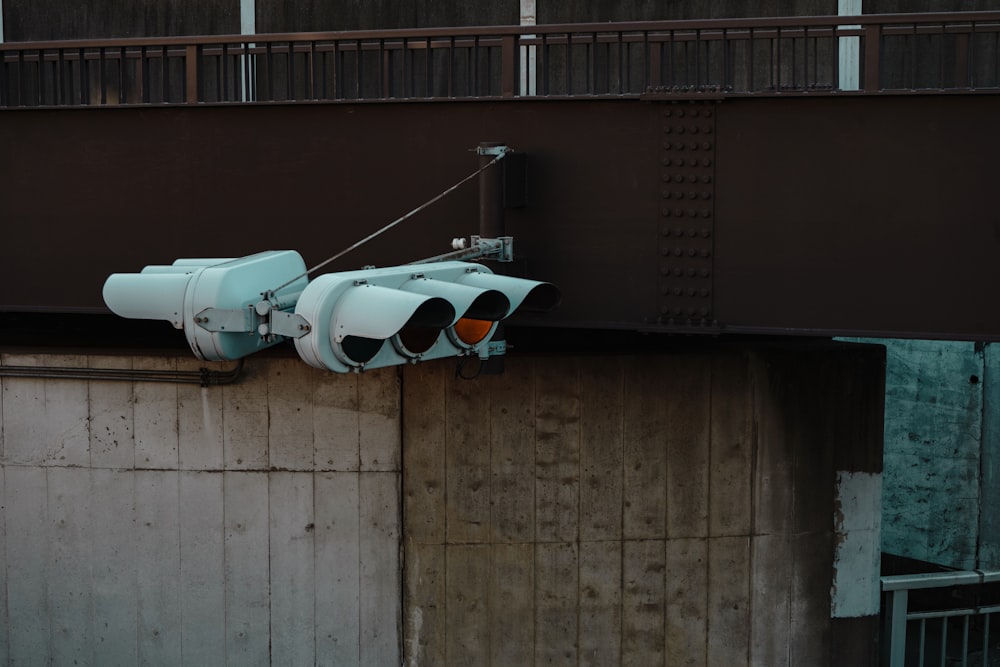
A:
{"points": [[508, 68], [191, 73], [895, 627], [872, 45]]}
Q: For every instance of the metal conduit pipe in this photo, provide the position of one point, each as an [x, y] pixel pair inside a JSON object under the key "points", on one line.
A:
{"points": [[202, 376]]}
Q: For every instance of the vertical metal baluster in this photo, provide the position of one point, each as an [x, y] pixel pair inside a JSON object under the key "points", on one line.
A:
{"points": [[569, 63], [923, 642], [290, 79], [591, 65], [428, 68], [965, 641], [750, 71], [82, 60], [986, 639], [311, 69], [38, 74], [944, 640], [224, 59], [121, 75], [383, 85], [451, 66], [269, 62], [358, 71]]}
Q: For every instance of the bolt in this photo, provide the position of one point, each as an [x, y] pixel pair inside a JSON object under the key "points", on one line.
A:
{"points": [[667, 129]]}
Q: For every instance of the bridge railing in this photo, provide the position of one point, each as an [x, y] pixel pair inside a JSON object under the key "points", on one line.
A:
{"points": [[898, 53], [953, 621]]}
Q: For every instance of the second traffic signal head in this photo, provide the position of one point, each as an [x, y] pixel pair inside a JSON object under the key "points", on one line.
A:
{"points": [[389, 316]]}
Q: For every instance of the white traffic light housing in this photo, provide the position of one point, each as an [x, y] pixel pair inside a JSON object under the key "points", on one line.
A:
{"points": [[384, 317], [348, 321], [212, 300]]}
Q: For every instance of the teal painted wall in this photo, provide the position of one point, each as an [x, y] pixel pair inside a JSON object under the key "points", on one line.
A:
{"points": [[940, 500]]}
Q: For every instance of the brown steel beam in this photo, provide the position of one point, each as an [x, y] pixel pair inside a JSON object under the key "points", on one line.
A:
{"points": [[851, 215]]}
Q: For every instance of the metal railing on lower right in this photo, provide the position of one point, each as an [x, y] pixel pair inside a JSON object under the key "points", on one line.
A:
{"points": [[941, 619]]}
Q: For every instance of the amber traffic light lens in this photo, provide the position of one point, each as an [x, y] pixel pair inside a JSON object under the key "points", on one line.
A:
{"points": [[471, 331]]}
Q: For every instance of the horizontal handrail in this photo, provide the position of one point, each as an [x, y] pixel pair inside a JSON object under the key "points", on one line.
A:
{"points": [[719, 25]]}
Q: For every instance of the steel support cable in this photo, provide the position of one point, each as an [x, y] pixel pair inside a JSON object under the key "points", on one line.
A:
{"points": [[392, 224], [202, 376]]}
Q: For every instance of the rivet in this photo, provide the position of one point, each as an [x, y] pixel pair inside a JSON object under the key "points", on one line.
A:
{"points": [[678, 252], [680, 195], [691, 273], [667, 129], [680, 162], [692, 179], [707, 129], [704, 312], [679, 146], [706, 195], [692, 233], [691, 292], [678, 178], [705, 253], [706, 213], [680, 113], [666, 231], [664, 310], [667, 113], [666, 194], [666, 213], [705, 292], [706, 163], [706, 179], [693, 213], [692, 195], [678, 231], [708, 113], [707, 145], [666, 145], [666, 178], [665, 270], [665, 252], [677, 291], [705, 273], [694, 146], [692, 252], [705, 233], [679, 213], [694, 113], [677, 311], [692, 311], [680, 129], [694, 129], [666, 162], [678, 272]]}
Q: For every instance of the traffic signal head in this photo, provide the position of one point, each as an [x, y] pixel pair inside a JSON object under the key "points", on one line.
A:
{"points": [[390, 316], [348, 321], [212, 300]]}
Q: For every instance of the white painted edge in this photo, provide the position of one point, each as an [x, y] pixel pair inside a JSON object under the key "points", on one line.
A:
{"points": [[855, 590]]}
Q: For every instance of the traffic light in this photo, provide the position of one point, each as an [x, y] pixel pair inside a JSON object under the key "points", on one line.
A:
{"points": [[343, 322], [212, 300], [385, 317]]}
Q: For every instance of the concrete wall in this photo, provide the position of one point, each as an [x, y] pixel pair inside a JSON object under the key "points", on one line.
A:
{"points": [[714, 506], [942, 453], [147, 523]]}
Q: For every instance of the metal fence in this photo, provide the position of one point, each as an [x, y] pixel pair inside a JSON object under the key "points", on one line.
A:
{"points": [[923, 627], [957, 52]]}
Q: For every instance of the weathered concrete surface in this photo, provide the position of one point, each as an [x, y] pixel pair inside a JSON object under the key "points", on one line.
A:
{"points": [[934, 424], [677, 509], [148, 523]]}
